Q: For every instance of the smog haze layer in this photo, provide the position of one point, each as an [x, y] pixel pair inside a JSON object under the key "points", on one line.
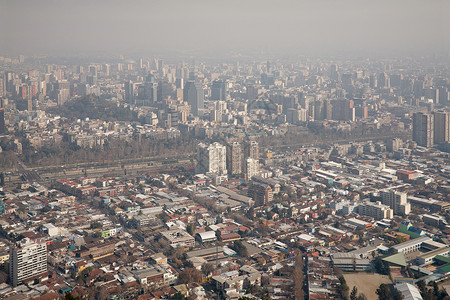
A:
{"points": [[320, 27]]}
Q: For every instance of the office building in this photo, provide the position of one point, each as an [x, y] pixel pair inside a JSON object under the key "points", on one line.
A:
{"points": [[334, 75], [129, 92], [193, 94], [423, 129], [27, 259], [252, 92], [343, 110], [441, 127], [218, 90], [212, 159]]}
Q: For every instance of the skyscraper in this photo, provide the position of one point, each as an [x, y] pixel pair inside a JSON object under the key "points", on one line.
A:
{"points": [[334, 75], [234, 158], [423, 129], [252, 92], [251, 150], [441, 127], [194, 96], [27, 259], [2, 121], [212, 159], [129, 92], [218, 90]]}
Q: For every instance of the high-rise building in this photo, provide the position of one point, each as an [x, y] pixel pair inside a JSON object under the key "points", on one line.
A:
{"points": [[334, 75], [194, 96], [383, 81], [441, 127], [373, 83], [150, 93], [2, 121], [27, 259], [343, 110], [129, 92], [251, 150], [251, 168], [423, 129], [2, 86], [218, 90], [261, 193], [234, 158], [397, 201], [252, 92], [212, 159]]}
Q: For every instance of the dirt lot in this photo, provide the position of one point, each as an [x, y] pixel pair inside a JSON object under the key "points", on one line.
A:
{"points": [[366, 283]]}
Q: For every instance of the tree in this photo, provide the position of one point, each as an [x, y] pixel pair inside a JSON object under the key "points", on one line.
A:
{"points": [[178, 296], [190, 228], [361, 297], [240, 248], [69, 296], [207, 268], [384, 292], [381, 266], [342, 288], [189, 275], [354, 293]]}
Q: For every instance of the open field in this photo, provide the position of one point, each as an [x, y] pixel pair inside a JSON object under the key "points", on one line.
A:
{"points": [[366, 283]]}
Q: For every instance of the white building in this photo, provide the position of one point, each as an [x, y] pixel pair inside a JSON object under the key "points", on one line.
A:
{"points": [[376, 210], [212, 159], [397, 201], [411, 245], [27, 259], [252, 167]]}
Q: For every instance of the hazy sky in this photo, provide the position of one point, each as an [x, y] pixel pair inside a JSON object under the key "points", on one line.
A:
{"points": [[68, 27]]}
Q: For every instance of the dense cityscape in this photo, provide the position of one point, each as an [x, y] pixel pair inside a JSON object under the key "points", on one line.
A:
{"points": [[231, 150], [252, 179]]}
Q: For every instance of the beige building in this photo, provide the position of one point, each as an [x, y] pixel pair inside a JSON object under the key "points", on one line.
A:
{"points": [[27, 259]]}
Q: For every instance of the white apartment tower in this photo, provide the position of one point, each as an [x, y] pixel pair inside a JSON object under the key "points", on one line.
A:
{"points": [[252, 168], [27, 259], [212, 159]]}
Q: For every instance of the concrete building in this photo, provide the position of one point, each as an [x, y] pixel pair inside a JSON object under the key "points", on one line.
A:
{"points": [[397, 201], [441, 127], [212, 159], [251, 150], [261, 193], [376, 210], [251, 167], [218, 90], [428, 257], [193, 94], [411, 245], [27, 259], [178, 238], [423, 129], [234, 158]]}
